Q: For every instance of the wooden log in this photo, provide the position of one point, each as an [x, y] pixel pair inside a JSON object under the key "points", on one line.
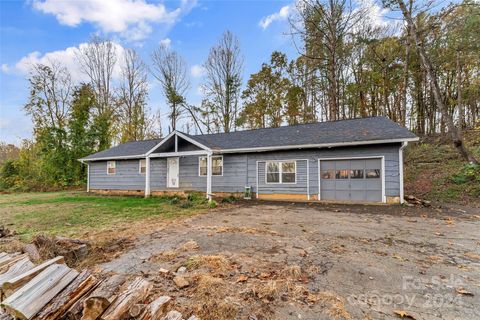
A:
{"points": [[137, 291], [17, 269], [62, 302], [75, 311], [157, 308], [173, 315], [102, 297], [4, 268], [4, 315], [32, 251], [7, 258], [12, 285], [27, 301], [137, 310]]}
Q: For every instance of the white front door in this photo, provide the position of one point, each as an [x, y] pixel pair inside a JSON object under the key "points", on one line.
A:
{"points": [[172, 172]]}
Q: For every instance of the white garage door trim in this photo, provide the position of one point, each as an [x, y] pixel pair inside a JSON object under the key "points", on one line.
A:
{"points": [[382, 158]]}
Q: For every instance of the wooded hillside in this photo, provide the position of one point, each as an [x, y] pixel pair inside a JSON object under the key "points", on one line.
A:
{"points": [[421, 70]]}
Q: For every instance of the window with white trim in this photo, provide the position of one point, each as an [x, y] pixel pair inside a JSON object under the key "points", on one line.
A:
{"points": [[217, 166], [111, 167], [142, 166], [281, 172]]}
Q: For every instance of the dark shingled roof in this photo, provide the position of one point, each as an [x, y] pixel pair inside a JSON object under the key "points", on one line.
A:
{"points": [[332, 132], [132, 148], [354, 130]]}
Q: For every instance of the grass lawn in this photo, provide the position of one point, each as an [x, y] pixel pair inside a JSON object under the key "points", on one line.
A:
{"points": [[78, 214]]}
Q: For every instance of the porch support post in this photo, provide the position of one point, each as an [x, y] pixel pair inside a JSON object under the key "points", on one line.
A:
{"points": [[176, 143], [147, 177], [209, 176]]}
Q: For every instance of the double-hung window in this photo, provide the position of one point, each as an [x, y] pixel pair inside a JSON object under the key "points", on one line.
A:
{"points": [[111, 167], [281, 172], [217, 166], [142, 166]]}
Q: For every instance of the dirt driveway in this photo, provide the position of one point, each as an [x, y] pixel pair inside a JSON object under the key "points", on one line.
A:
{"points": [[303, 261]]}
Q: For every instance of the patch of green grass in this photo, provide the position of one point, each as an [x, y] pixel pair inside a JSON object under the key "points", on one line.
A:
{"points": [[74, 213], [229, 199]]}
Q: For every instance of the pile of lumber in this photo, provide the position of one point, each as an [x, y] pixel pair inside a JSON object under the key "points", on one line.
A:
{"points": [[52, 290]]}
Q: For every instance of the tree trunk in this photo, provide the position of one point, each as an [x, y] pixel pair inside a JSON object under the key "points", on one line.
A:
{"points": [[403, 111], [455, 136], [461, 110]]}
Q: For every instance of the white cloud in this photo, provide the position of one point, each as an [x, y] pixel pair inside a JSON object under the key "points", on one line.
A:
{"points": [[5, 68], [374, 14], [67, 57], [166, 42], [197, 71], [200, 90], [281, 15], [131, 19]]}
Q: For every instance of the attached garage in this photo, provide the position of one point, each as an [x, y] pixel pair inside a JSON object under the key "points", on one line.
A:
{"points": [[358, 180]]}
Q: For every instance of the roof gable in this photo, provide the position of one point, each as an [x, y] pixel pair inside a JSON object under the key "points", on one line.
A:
{"points": [[132, 149]]}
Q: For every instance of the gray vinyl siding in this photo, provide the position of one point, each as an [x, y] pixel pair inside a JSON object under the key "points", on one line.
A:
{"points": [[299, 187], [239, 170], [234, 176], [390, 152], [127, 176], [158, 174]]}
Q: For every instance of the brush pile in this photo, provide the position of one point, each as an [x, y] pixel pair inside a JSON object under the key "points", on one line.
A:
{"points": [[414, 201]]}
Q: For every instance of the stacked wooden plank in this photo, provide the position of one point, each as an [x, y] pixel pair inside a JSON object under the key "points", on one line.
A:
{"points": [[52, 290]]}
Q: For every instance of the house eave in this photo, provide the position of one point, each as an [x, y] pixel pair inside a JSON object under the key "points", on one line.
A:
{"points": [[259, 149], [319, 145], [139, 156]]}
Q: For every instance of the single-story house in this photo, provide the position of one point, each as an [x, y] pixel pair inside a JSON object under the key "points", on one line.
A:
{"points": [[357, 160]]}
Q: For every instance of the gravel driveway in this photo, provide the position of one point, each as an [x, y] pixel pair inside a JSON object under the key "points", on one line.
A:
{"points": [[313, 261]]}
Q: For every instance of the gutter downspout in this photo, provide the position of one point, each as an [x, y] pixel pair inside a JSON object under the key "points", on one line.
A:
{"points": [[88, 177], [88, 173], [209, 176], [400, 164]]}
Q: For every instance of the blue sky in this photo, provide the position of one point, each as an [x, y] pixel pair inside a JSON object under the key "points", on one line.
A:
{"points": [[41, 30], [34, 30]]}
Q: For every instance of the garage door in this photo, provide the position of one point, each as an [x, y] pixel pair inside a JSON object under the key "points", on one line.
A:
{"points": [[351, 180]]}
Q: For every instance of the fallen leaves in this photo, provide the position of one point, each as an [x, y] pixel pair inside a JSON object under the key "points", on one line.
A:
{"points": [[472, 255], [396, 256], [241, 278], [337, 249], [464, 292], [434, 259], [449, 221], [403, 314], [190, 245]]}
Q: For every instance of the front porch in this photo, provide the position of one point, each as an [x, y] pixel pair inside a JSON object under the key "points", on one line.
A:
{"points": [[172, 148]]}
